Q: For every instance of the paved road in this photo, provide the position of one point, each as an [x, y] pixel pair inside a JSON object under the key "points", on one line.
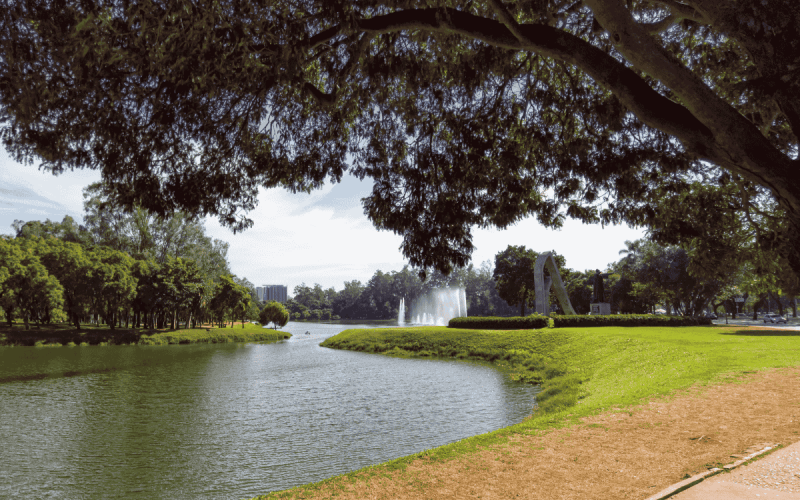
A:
{"points": [[793, 323]]}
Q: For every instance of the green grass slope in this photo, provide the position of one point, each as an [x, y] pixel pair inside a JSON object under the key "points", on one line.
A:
{"points": [[583, 371]]}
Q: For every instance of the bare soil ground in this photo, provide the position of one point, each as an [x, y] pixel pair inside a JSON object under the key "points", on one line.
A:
{"points": [[617, 454]]}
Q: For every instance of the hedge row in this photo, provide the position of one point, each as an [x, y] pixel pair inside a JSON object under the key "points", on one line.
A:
{"points": [[533, 322], [626, 320]]}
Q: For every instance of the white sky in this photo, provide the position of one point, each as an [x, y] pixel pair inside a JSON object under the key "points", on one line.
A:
{"points": [[323, 237]]}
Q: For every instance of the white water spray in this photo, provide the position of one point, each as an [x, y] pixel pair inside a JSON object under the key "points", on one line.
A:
{"points": [[439, 306], [401, 313]]}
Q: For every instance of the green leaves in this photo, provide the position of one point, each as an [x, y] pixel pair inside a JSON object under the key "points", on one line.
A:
{"points": [[274, 313], [459, 123]]}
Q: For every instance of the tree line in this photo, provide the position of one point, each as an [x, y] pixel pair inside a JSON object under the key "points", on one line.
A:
{"points": [[379, 298], [124, 269], [685, 280], [649, 275]]}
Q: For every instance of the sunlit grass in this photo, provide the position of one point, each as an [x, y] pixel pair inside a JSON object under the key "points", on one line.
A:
{"points": [[604, 368]]}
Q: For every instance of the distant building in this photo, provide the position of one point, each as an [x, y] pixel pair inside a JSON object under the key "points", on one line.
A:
{"points": [[272, 292]]}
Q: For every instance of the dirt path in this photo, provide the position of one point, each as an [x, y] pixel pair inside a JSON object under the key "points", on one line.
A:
{"points": [[614, 455]]}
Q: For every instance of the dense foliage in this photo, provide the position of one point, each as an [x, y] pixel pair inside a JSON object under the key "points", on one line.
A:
{"points": [[532, 322], [514, 275], [124, 269], [580, 321], [463, 113], [274, 312]]}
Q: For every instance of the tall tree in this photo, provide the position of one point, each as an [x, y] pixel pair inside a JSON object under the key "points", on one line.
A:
{"points": [[462, 112], [514, 275], [114, 287], [25, 285], [72, 267]]}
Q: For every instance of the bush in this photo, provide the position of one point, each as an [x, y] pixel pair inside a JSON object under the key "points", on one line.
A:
{"points": [[582, 320], [274, 312], [532, 322]]}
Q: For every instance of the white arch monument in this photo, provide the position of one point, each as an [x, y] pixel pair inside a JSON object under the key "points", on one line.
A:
{"points": [[543, 285]]}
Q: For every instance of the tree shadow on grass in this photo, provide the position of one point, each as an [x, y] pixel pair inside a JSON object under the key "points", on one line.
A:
{"points": [[765, 333]]}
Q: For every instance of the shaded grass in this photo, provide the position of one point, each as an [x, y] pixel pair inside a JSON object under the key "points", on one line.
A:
{"points": [[67, 335], [592, 370]]}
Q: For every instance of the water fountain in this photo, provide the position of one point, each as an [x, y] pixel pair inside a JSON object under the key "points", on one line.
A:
{"points": [[401, 313], [438, 306]]}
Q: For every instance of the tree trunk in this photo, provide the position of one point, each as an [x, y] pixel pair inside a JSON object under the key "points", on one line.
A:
{"points": [[778, 300]]}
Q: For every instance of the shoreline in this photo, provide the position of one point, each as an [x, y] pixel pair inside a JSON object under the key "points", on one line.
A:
{"points": [[61, 336], [627, 372]]}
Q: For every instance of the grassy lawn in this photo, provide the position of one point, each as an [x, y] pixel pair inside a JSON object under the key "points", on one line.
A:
{"points": [[583, 371], [67, 335]]}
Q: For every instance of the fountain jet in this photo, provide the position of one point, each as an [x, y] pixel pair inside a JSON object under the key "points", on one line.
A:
{"points": [[439, 306]]}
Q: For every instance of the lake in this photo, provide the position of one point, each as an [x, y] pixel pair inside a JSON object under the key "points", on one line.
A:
{"points": [[229, 421]]}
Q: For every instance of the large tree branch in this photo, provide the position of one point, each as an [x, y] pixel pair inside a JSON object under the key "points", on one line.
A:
{"points": [[651, 107], [683, 11], [705, 124], [659, 26], [737, 144]]}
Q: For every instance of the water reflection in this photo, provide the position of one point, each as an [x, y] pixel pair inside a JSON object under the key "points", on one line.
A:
{"points": [[229, 421]]}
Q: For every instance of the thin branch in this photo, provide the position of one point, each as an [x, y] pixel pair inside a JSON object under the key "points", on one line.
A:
{"points": [[323, 99], [507, 19], [683, 11]]}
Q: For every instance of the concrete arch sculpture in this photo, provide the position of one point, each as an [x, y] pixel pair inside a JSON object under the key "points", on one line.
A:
{"points": [[543, 285]]}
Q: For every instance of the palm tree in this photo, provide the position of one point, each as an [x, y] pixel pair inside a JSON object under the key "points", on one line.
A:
{"points": [[632, 252]]}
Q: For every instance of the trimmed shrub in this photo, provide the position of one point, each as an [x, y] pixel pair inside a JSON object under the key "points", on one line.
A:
{"points": [[582, 320], [532, 322]]}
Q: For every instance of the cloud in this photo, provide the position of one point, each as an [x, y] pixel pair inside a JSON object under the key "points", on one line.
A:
{"points": [[319, 238], [322, 237]]}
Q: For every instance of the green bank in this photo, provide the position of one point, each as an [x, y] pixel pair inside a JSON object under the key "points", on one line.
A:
{"points": [[582, 371], [66, 335]]}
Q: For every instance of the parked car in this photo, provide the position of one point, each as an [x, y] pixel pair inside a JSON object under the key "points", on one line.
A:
{"points": [[774, 318], [711, 315]]}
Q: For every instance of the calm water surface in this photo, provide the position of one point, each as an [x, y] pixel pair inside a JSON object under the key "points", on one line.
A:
{"points": [[228, 421]]}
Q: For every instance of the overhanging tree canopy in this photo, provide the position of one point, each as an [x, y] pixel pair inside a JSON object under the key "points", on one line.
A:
{"points": [[462, 112]]}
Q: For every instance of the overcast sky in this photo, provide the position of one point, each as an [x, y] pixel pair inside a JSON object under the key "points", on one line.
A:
{"points": [[323, 237]]}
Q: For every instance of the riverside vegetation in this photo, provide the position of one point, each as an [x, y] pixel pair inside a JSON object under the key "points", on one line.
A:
{"points": [[65, 335], [583, 371]]}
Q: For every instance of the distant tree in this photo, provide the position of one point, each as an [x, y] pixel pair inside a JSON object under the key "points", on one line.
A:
{"points": [[66, 230], [662, 276], [181, 285], [229, 299], [514, 275], [348, 301], [26, 286], [274, 312], [114, 286], [379, 298], [73, 268], [579, 289], [11, 270]]}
